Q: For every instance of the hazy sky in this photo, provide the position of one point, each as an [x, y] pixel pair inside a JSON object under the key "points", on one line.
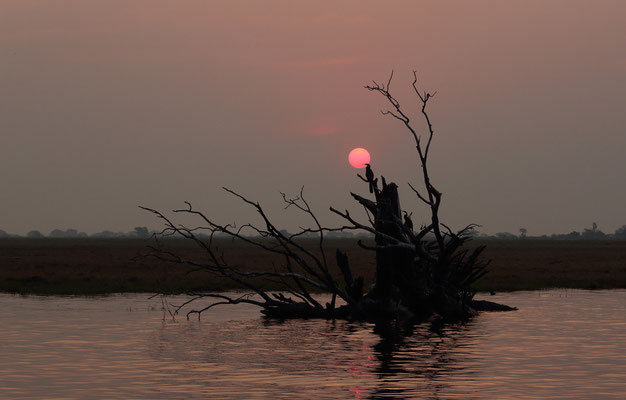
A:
{"points": [[105, 105]]}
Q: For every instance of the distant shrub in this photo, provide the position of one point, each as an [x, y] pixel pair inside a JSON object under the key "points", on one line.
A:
{"points": [[141, 232], [505, 235], [70, 233]]}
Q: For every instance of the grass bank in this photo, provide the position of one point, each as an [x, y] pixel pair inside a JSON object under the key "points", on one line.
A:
{"points": [[101, 266]]}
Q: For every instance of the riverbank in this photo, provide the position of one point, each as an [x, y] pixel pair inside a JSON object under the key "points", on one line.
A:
{"points": [[100, 266]]}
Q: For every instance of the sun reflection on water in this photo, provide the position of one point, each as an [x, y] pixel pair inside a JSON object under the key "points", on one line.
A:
{"points": [[556, 346]]}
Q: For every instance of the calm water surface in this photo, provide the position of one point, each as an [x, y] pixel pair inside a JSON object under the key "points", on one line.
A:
{"points": [[559, 345]]}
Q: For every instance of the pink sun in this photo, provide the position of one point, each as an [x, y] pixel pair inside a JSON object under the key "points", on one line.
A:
{"points": [[359, 157]]}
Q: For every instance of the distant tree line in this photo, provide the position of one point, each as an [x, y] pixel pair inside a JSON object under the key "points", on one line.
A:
{"points": [[137, 232], [592, 233], [142, 232]]}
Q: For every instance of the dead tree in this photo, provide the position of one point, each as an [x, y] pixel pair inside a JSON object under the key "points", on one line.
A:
{"points": [[418, 272]]}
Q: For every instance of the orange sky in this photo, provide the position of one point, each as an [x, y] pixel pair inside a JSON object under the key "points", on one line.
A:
{"points": [[106, 105]]}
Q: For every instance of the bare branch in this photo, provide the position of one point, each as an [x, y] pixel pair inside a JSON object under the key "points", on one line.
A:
{"points": [[383, 235], [419, 195], [413, 271]]}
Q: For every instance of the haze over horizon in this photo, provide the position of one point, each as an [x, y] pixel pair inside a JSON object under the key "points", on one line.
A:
{"points": [[108, 105]]}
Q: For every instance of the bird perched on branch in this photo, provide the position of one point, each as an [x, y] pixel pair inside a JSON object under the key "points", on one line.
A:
{"points": [[407, 220], [369, 175]]}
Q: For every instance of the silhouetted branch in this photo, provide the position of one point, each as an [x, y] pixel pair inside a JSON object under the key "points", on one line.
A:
{"points": [[421, 271], [434, 196]]}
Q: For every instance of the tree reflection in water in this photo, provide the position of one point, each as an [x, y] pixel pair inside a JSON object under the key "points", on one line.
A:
{"points": [[418, 358], [323, 358]]}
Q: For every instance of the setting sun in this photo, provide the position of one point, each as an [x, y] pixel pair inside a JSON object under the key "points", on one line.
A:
{"points": [[359, 157]]}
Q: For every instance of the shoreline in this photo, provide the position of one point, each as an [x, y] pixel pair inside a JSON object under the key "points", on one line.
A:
{"points": [[106, 266]]}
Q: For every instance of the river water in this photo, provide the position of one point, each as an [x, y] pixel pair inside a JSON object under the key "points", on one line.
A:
{"points": [[559, 345]]}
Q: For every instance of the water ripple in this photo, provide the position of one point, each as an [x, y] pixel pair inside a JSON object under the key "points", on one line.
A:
{"points": [[559, 345]]}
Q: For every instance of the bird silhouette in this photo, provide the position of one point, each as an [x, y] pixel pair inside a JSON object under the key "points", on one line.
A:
{"points": [[407, 220], [369, 175]]}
